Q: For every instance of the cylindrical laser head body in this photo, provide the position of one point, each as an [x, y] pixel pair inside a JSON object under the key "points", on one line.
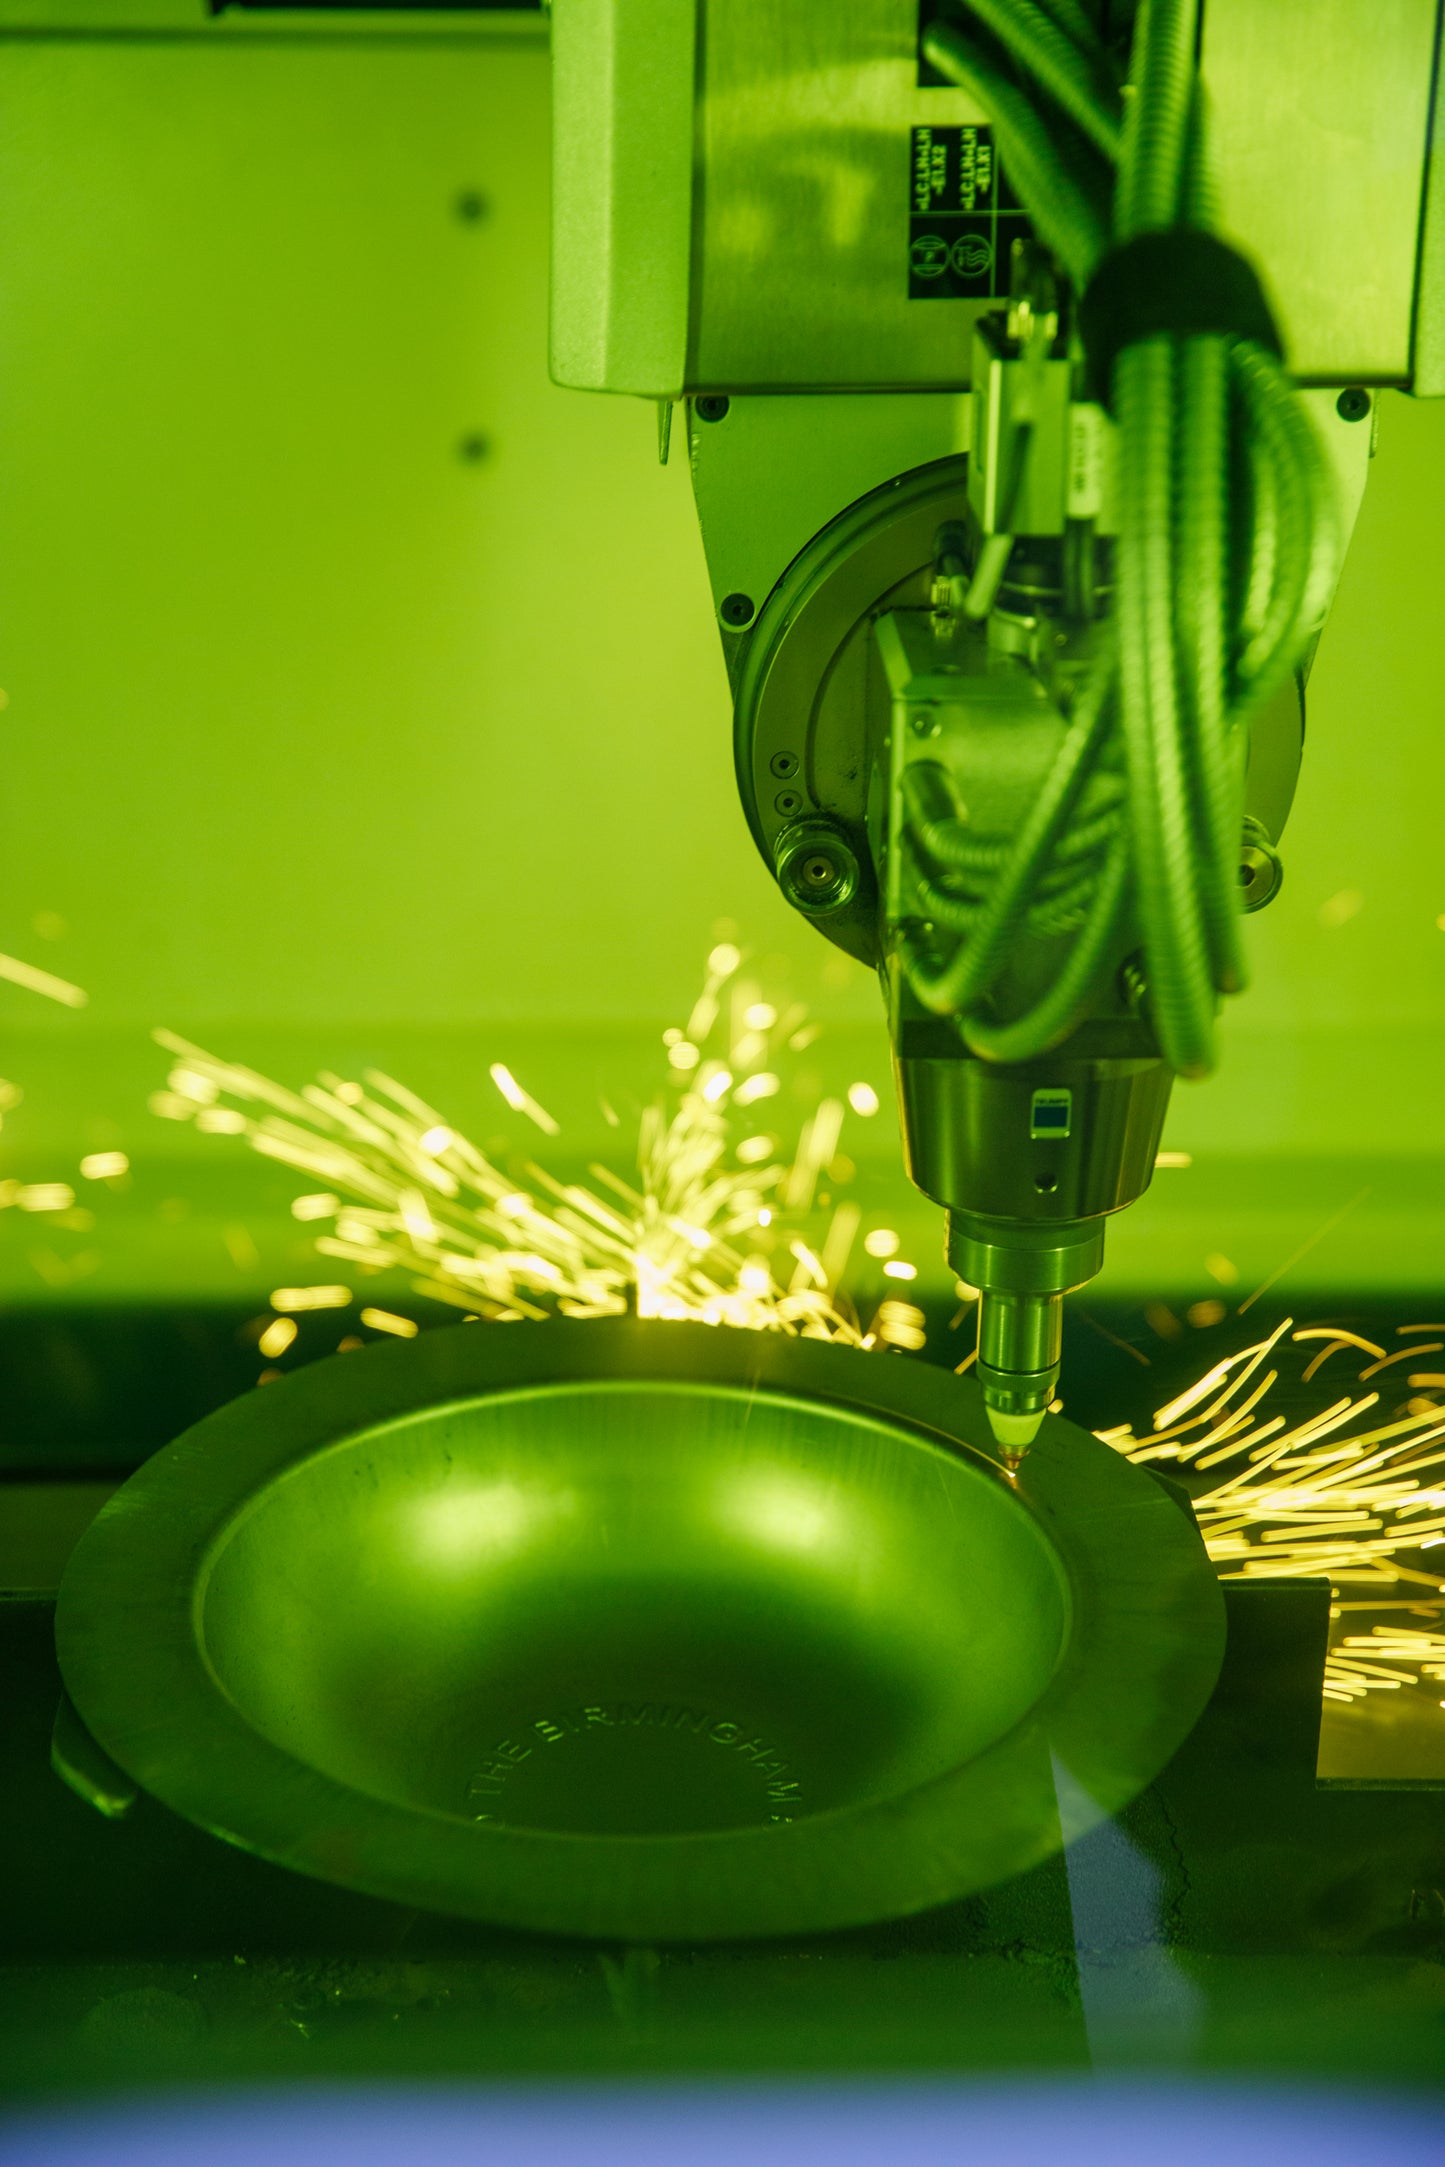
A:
{"points": [[1029, 1162]]}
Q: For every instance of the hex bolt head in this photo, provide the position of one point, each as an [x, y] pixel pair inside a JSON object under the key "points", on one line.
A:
{"points": [[737, 610], [1353, 403], [711, 406]]}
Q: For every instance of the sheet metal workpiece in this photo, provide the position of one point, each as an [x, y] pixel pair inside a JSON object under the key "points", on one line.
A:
{"points": [[640, 1630]]}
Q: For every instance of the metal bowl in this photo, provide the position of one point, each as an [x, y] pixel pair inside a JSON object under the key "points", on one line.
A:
{"points": [[639, 1630]]}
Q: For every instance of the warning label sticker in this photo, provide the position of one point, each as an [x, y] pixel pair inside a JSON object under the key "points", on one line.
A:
{"points": [[963, 216]]}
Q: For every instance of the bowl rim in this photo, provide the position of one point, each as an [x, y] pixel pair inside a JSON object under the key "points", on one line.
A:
{"points": [[1146, 1637]]}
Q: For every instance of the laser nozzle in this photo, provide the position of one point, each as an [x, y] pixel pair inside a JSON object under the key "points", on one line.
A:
{"points": [[1022, 1272], [1018, 1364], [1013, 1433]]}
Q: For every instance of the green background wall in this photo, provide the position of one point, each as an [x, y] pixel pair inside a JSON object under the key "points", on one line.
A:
{"points": [[331, 741]]}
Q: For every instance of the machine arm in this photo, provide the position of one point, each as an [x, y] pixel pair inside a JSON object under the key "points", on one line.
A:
{"points": [[1059, 726], [1019, 533]]}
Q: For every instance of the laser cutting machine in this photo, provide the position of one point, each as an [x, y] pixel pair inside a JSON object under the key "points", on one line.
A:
{"points": [[623, 1693], [1027, 357]]}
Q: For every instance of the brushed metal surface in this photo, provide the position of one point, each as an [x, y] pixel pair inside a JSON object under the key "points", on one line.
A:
{"points": [[1319, 115], [801, 233], [622, 181], [775, 471], [644, 1630]]}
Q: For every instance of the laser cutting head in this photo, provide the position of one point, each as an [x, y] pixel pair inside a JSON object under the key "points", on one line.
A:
{"points": [[1019, 535], [924, 741]]}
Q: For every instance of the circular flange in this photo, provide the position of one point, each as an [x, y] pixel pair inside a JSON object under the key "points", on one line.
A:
{"points": [[809, 691], [639, 1630], [810, 701]]}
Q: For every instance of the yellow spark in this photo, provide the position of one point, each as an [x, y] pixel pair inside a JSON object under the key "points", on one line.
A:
{"points": [[382, 1320], [279, 1334], [760, 1016], [1339, 909], [416, 1219], [43, 982], [1383, 1660], [104, 1165], [220, 1121], [1338, 1337], [724, 960], [1403, 1354], [292, 1299], [899, 1324], [1336, 1342], [45, 1196], [240, 1247], [703, 1017], [816, 1147], [838, 1243], [1311, 1241], [169, 1107], [882, 1241], [189, 1083], [895, 1268], [694, 1235], [863, 1099], [323, 1205], [1321, 1496], [1165, 1417], [1173, 1158], [522, 1102]]}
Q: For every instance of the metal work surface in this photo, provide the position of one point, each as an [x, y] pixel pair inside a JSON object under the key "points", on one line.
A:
{"points": [[638, 1629], [1239, 1917]]}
